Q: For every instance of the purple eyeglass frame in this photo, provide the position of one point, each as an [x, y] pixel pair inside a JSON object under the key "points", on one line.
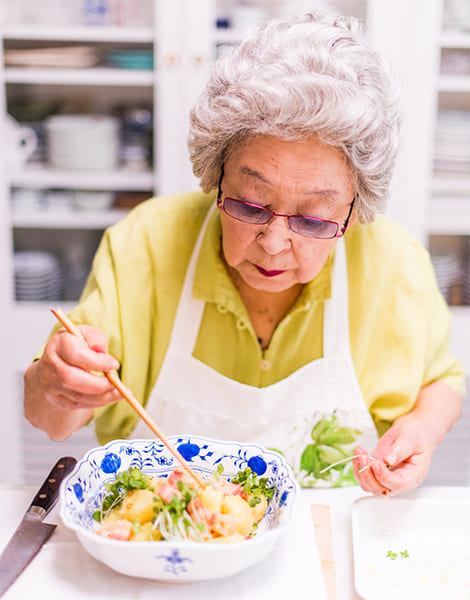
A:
{"points": [[340, 230]]}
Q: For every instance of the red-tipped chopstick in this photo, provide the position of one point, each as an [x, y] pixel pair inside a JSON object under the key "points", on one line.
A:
{"points": [[140, 410]]}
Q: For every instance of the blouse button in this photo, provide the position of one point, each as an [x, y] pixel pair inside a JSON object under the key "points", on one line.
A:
{"points": [[265, 365], [222, 309], [307, 305], [241, 324]]}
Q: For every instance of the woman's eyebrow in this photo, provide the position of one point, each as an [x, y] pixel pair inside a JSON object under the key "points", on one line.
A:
{"points": [[326, 193], [244, 170], [329, 192]]}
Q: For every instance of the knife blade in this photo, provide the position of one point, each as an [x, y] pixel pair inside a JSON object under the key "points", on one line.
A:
{"points": [[32, 532]]}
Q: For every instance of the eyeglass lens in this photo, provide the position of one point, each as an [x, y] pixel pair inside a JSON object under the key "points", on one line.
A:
{"points": [[260, 216]]}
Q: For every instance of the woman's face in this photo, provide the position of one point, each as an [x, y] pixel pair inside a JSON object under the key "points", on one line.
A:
{"points": [[307, 178]]}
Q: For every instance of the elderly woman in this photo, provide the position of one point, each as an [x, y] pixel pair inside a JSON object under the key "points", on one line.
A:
{"points": [[275, 306]]}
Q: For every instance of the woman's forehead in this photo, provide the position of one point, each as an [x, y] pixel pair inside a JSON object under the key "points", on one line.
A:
{"points": [[297, 154], [310, 166]]}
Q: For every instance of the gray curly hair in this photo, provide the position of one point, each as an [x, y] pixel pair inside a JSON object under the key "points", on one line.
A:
{"points": [[309, 76]]}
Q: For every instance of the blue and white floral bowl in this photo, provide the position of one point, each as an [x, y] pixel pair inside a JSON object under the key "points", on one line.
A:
{"points": [[175, 561]]}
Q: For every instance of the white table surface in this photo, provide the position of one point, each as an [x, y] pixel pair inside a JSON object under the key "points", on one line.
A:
{"points": [[63, 569]]}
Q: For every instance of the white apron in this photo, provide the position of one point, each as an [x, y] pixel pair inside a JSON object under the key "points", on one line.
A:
{"points": [[315, 417]]}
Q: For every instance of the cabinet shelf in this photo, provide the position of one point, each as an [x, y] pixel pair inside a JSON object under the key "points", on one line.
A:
{"points": [[449, 215], [40, 176], [71, 219], [96, 76], [451, 185], [459, 334], [453, 83], [134, 35], [455, 39]]}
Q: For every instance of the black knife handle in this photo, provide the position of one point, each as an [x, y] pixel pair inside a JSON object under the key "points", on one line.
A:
{"points": [[49, 491]]}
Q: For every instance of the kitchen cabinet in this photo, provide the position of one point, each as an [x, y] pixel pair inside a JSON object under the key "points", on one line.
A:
{"points": [[431, 198], [183, 38], [37, 200], [448, 206]]}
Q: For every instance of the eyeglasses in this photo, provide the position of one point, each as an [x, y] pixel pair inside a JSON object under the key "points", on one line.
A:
{"points": [[247, 212]]}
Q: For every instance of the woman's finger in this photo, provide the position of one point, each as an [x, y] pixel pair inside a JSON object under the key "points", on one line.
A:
{"points": [[77, 402], [365, 475], [77, 352]]}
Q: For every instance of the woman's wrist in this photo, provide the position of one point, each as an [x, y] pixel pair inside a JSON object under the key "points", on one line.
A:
{"points": [[437, 407]]}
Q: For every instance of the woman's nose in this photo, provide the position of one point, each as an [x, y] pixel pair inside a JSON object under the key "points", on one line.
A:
{"points": [[275, 236]]}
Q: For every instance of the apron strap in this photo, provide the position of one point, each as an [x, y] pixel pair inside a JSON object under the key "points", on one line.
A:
{"points": [[336, 314], [190, 310]]}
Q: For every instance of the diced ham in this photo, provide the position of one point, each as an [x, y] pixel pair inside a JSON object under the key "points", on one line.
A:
{"points": [[116, 530], [180, 475], [223, 524], [166, 491], [229, 488], [199, 512]]}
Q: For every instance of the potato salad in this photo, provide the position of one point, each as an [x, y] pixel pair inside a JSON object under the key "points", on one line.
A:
{"points": [[140, 508]]}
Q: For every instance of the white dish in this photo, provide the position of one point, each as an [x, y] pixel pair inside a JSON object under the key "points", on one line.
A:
{"points": [[93, 200], [83, 142], [35, 260], [65, 57], [430, 538]]}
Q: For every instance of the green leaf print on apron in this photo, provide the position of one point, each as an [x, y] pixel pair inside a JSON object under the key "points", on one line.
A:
{"points": [[331, 443]]}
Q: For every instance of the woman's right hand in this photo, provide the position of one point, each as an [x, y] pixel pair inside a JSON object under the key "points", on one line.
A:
{"points": [[64, 386]]}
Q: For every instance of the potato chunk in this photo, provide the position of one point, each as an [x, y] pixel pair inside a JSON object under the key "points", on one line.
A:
{"points": [[146, 533], [138, 505], [239, 508], [212, 499], [259, 509]]}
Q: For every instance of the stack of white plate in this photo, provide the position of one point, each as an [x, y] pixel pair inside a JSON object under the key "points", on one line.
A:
{"points": [[83, 142], [452, 149], [448, 273], [93, 200], [38, 276], [26, 201]]}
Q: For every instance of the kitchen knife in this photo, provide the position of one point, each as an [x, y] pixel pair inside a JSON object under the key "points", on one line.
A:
{"points": [[32, 532]]}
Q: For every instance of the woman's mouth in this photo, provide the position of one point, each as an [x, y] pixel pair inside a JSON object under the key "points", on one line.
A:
{"points": [[268, 273]]}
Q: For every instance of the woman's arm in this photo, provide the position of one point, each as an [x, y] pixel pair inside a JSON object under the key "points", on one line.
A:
{"points": [[61, 389], [403, 455]]}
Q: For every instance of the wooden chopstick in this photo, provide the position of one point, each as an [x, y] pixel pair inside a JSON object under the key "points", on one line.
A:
{"points": [[140, 410]]}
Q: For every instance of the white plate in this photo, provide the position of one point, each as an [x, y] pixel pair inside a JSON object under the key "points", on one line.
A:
{"points": [[73, 56], [433, 532]]}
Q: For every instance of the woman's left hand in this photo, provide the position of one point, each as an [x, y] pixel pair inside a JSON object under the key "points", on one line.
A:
{"points": [[403, 454], [400, 461]]}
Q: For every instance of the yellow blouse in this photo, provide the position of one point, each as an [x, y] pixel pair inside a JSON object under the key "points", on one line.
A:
{"points": [[399, 322]]}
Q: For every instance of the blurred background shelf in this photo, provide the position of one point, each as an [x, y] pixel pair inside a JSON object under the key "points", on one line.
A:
{"points": [[137, 35], [449, 215], [72, 219], [458, 185], [454, 83], [460, 330], [90, 76], [42, 176]]}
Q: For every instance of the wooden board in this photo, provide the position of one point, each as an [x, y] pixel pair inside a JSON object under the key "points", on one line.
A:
{"points": [[321, 516], [323, 536]]}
